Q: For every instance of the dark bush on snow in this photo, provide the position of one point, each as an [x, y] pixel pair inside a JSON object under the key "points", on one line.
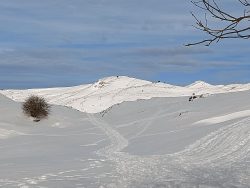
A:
{"points": [[36, 107]]}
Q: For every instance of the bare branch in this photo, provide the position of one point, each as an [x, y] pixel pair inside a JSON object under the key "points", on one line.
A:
{"points": [[245, 2], [230, 26]]}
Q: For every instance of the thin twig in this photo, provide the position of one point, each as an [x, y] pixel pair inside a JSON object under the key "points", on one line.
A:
{"points": [[231, 29]]}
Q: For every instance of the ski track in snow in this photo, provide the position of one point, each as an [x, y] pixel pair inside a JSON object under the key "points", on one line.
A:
{"points": [[216, 160], [194, 166], [70, 178], [207, 162]]}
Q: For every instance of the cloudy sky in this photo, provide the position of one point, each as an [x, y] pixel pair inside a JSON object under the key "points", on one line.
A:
{"points": [[62, 43]]}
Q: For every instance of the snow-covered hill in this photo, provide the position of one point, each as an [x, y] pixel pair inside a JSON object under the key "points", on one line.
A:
{"points": [[161, 142], [106, 92]]}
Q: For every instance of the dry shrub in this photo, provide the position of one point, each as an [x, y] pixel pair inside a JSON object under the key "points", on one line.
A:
{"points": [[36, 107]]}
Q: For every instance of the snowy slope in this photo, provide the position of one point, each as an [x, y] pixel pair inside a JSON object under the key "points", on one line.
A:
{"points": [[161, 142], [99, 96]]}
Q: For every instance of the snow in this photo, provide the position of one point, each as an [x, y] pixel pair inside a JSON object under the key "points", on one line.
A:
{"points": [[159, 142], [227, 117], [106, 92], [199, 84], [4, 133]]}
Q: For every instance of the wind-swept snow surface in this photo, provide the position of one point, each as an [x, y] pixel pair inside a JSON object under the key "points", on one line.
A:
{"points": [[93, 98], [161, 142]]}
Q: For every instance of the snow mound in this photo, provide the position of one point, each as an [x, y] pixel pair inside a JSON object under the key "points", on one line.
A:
{"points": [[106, 92], [4, 133], [199, 84], [223, 118]]}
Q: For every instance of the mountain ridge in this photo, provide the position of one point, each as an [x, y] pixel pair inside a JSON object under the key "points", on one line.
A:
{"points": [[108, 91]]}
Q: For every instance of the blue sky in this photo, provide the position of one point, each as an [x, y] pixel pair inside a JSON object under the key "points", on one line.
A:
{"points": [[62, 43]]}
